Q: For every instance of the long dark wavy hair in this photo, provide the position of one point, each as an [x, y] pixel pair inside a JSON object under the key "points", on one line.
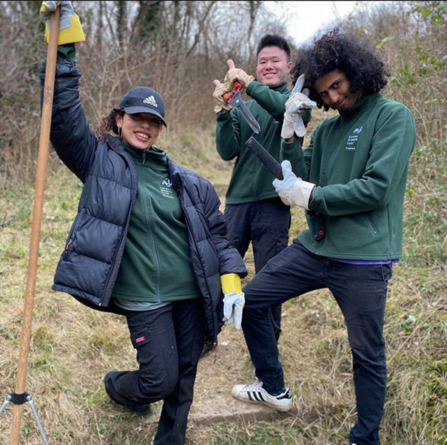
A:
{"points": [[343, 52], [108, 123]]}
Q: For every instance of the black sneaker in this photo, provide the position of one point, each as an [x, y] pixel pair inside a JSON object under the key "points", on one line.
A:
{"points": [[116, 397]]}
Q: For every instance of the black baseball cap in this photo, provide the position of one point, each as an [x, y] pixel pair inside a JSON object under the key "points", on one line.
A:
{"points": [[144, 100]]}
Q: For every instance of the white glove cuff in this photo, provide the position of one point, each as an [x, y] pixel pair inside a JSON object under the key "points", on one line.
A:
{"points": [[301, 193]]}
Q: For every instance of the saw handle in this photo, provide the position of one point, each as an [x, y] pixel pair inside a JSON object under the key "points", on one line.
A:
{"points": [[237, 87], [265, 157]]}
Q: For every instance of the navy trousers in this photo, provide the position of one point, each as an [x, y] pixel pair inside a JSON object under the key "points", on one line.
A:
{"points": [[266, 224], [169, 341], [360, 292]]}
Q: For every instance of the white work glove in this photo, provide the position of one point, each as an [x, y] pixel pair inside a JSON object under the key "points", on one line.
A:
{"points": [[70, 28], [295, 105], [233, 305], [293, 190]]}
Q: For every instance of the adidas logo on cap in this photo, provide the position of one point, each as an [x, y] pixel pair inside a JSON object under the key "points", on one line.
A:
{"points": [[143, 100], [151, 101]]}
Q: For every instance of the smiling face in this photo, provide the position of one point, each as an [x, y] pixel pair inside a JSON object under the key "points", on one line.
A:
{"points": [[333, 89], [273, 66], [140, 130]]}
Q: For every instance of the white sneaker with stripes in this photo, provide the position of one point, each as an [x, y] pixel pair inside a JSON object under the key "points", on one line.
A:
{"points": [[255, 393]]}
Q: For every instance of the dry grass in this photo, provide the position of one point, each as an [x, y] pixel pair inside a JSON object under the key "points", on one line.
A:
{"points": [[72, 346]]}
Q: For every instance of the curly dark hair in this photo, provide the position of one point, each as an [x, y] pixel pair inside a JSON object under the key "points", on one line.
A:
{"points": [[274, 40], [344, 52], [108, 123]]}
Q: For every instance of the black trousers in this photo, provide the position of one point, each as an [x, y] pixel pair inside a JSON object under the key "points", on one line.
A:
{"points": [[360, 292], [266, 224], [169, 341]]}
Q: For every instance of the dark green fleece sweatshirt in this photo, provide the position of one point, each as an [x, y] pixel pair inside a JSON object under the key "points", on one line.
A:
{"points": [[359, 163], [155, 265], [250, 180]]}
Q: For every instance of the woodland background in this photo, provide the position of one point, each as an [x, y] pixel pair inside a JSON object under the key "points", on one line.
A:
{"points": [[179, 47]]}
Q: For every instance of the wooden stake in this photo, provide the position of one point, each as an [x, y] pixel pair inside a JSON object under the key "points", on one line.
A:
{"points": [[42, 161]]}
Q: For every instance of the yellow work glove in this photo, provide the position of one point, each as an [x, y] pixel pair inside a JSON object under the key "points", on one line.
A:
{"points": [[236, 74], [231, 282], [234, 299], [218, 95], [70, 28]]}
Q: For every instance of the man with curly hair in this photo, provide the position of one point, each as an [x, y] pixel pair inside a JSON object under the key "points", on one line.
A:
{"points": [[351, 181]]}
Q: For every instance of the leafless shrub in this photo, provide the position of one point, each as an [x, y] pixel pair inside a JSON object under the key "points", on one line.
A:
{"points": [[177, 48]]}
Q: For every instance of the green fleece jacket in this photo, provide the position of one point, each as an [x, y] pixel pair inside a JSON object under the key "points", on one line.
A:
{"points": [[251, 180], [155, 266], [359, 163]]}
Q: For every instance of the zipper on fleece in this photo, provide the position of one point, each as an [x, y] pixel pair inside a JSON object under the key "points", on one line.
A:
{"points": [[150, 224]]}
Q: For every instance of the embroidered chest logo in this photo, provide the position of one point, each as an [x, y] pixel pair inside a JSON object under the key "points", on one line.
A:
{"points": [[353, 138], [166, 188]]}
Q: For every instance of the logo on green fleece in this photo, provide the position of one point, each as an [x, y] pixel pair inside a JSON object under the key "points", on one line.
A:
{"points": [[166, 188], [353, 138]]}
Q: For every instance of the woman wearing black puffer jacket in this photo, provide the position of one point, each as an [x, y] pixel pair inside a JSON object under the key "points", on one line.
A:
{"points": [[149, 242]]}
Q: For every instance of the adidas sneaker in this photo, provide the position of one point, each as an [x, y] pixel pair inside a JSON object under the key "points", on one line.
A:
{"points": [[255, 393]]}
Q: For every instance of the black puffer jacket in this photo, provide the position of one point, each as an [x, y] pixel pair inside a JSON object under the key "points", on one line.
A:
{"points": [[89, 264]]}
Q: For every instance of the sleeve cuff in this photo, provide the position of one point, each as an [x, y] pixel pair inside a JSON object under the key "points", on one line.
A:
{"points": [[231, 282]]}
